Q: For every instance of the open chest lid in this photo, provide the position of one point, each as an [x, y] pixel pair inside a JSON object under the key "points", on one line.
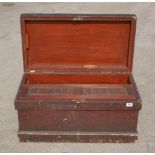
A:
{"points": [[78, 42]]}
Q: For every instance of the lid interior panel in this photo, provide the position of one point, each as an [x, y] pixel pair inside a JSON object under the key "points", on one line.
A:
{"points": [[91, 44]]}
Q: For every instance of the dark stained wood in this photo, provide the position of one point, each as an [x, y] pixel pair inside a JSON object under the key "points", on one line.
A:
{"points": [[77, 105], [58, 91], [83, 137], [88, 121], [77, 84], [107, 121], [45, 120]]}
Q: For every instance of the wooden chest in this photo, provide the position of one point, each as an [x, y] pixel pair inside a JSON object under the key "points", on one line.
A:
{"points": [[77, 84]]}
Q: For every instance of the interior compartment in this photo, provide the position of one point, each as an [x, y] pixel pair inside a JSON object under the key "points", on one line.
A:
{"points": [[77, 86], [122, 79]]}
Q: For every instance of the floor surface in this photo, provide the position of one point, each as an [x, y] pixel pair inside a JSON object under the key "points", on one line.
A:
{"points": [[11, 73]]}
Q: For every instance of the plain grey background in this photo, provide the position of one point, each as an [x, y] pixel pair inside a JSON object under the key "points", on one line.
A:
{"points": [[11, 69]]}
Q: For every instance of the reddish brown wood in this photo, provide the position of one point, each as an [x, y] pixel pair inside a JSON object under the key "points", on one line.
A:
{"points": [[78, 79], [93, 41], [78, 85]]}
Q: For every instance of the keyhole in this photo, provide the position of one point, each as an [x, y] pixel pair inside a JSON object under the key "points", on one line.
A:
{"points": [[78, 105]]}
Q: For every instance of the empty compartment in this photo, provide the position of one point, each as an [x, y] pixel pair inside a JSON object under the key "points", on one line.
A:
{"points": [[74, 86]]}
